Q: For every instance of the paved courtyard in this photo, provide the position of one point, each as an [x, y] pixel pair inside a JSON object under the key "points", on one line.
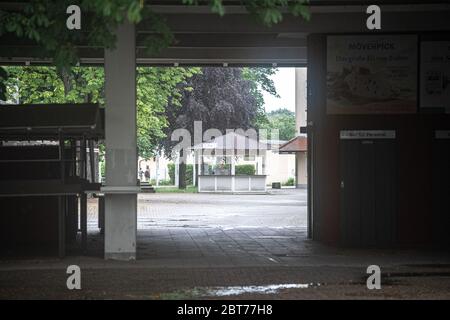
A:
{"points": [[196, 246], [217, 229], [279, 208]]}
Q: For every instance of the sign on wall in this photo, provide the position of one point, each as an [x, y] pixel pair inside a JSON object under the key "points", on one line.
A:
{"points": [[435, 74], [371, 74], [367, 134]]}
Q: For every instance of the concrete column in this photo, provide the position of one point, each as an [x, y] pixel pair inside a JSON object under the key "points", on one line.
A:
{"points": [[194, 169], [233, 165], [157, 170], [263, 162], [300, 98], [121, 147], [300, 121], [177, 170], [301, 170]]}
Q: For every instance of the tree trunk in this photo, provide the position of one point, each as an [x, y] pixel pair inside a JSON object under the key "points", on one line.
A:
{"points": [[197, 167], [66, 78], [182, 175]]}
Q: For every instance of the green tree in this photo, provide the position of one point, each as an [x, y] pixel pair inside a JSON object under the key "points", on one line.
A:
{"points": [[3, 78], [45, 85], [282, 120], [222, 98], [219, 97], [155, 87], [260, 80]]}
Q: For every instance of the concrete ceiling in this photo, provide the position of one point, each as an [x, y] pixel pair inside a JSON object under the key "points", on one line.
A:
{"points": [[236, 39]]}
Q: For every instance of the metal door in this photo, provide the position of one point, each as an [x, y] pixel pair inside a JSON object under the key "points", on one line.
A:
{"points": [[368, 190], [441, 188]]}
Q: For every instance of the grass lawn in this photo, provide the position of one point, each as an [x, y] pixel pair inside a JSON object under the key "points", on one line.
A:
{"points": [[189, 189]]}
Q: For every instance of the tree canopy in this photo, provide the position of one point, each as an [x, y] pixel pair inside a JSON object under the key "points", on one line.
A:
{"points": [[45, 85], [260, 80], [282, 120], [155, 87], [167, 98], [222, 98]]}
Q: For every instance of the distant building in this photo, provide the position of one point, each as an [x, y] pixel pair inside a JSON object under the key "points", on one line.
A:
{"points": [[297, 146]]}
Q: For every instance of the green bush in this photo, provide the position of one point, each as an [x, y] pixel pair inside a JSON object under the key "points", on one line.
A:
{"points": [[165, 183], [171, 168], [245, 169], [289, 182], [189, 172], [102, 168]]}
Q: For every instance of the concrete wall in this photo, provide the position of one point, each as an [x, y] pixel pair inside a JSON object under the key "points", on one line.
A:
{"points": [[302, 169], [279, 167]]}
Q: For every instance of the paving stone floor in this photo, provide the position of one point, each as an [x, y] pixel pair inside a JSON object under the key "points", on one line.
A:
{"points": [[191, 247]]}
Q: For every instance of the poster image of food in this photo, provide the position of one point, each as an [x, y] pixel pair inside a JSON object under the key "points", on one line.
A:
{"points": [[372, 74], [435, 75]]}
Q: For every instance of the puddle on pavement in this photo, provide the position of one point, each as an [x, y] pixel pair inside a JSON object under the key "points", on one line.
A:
{"points": [[273, 260], [268, 289], [199, 292]]}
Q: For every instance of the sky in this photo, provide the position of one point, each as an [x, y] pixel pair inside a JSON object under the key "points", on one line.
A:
{"points": [[284, 81]]}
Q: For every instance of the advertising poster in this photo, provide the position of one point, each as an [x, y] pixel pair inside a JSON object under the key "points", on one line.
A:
{"points": [[435, 75], [372, 74]]}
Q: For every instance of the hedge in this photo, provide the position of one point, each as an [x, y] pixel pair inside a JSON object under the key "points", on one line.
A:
{"points": [[245, 169]]}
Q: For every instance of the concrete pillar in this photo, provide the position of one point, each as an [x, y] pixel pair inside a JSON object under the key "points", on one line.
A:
{"points": [[301, 170], [194, 169], [121, 147], [177, 170], [157, 170], [300, 121], [263, 162], [300, 98], [233, 165]]}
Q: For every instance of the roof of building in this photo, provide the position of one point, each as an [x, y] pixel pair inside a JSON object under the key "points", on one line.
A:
{"points": [[273, 143], [298, 144], [232, 141]]}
